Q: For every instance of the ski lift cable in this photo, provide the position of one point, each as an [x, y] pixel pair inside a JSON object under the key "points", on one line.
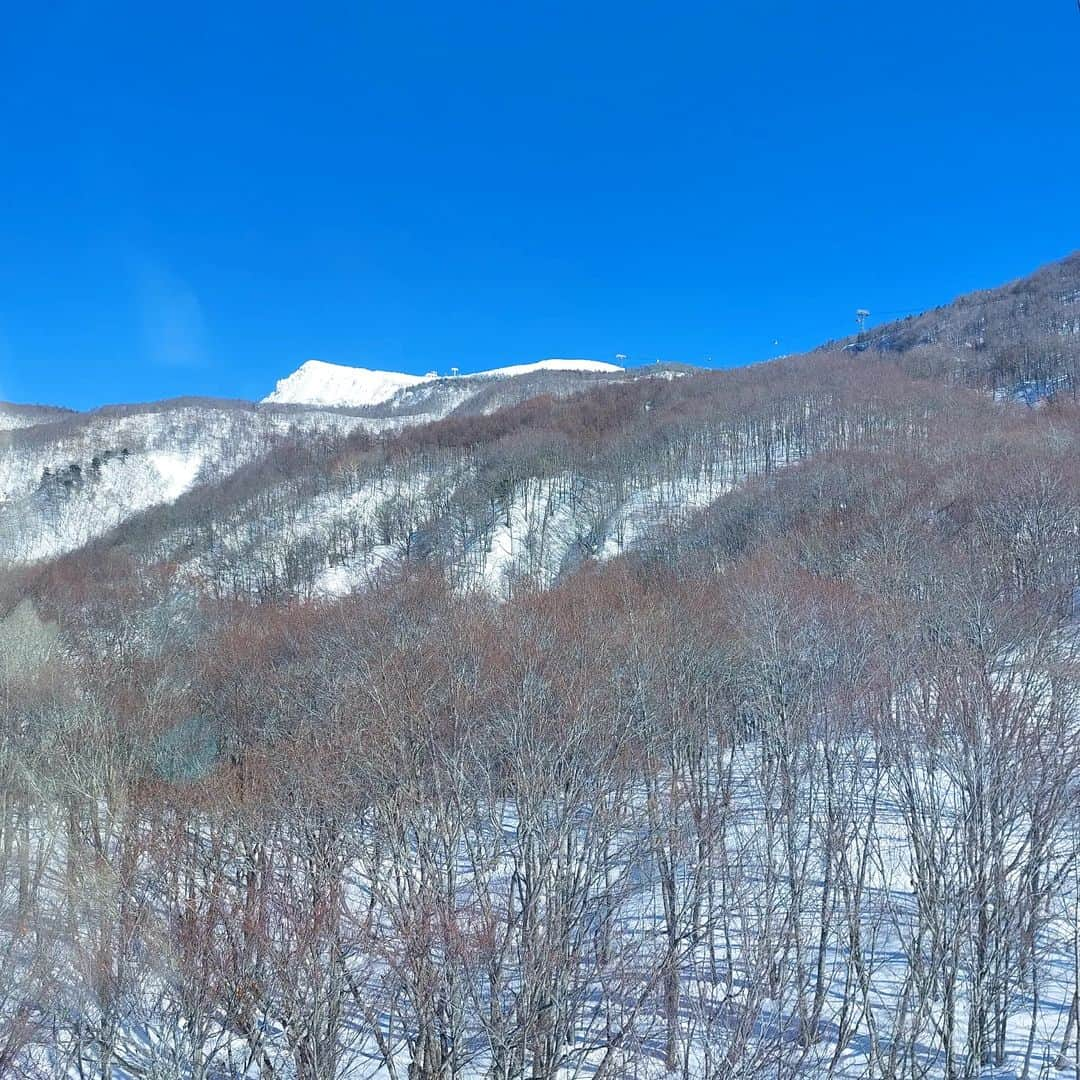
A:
{"points": [[907, 310]]}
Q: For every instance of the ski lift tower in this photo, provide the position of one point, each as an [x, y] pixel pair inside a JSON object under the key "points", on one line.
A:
{"points": [[860, 317]]}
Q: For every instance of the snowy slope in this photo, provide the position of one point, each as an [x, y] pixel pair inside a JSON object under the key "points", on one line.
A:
{"points": [[83, 477], [319, 383]]}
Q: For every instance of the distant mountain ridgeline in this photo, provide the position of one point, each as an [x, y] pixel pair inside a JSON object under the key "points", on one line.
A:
{"points": [[509, 479]]}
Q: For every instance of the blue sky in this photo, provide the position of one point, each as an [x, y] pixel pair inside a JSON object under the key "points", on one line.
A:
{"points": [[198, 197]]}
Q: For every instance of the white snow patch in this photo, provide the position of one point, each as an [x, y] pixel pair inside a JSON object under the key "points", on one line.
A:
{"points": [[358, 573], [177, 472], [588, 366]]}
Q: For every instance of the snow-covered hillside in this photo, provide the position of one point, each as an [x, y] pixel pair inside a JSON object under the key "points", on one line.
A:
{"points": [[14, 417], [66, 483], [68, 478]]}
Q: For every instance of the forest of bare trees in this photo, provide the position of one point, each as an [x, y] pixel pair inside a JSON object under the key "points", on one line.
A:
{"points": [[789, 789]]}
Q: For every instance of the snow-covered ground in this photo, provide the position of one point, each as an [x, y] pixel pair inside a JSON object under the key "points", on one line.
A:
{"points": [[802, 948]]}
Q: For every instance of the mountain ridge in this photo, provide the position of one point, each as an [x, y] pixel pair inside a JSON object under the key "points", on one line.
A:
{"points": [[514, 474]]}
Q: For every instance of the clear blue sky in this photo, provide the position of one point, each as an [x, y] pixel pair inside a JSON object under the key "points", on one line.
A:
{"points": [[197, 197]]}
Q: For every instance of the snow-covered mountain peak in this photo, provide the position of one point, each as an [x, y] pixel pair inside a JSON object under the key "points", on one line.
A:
{"points": [[319, 383]]}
